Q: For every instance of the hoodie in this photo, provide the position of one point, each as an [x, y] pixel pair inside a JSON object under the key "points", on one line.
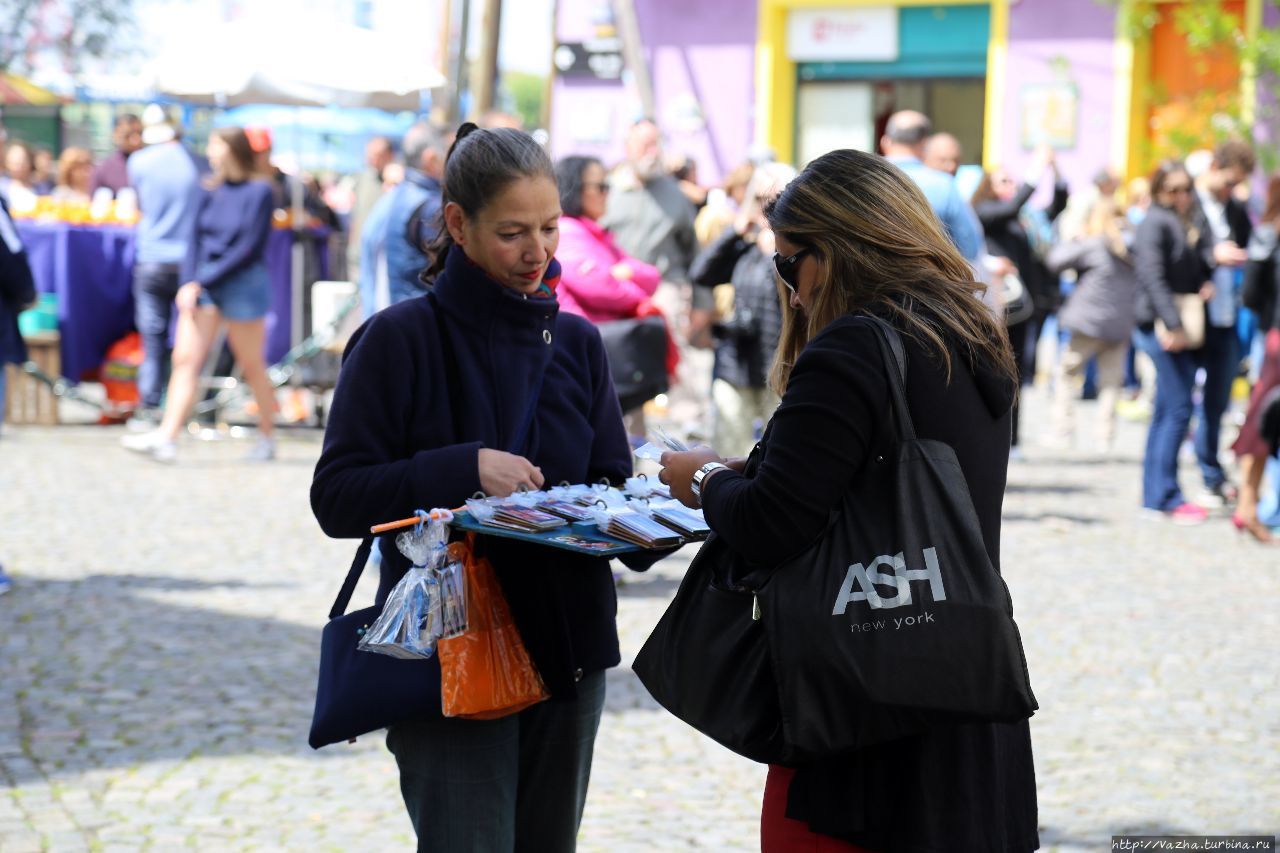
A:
{"points": [[963, 787]]}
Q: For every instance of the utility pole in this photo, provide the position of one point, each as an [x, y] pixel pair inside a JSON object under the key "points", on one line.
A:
{"points": [[460, 70], [444, 109], [485, 71], [624, 12]]}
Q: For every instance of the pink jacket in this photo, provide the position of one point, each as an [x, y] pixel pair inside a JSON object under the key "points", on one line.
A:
{"points": [[587, 287]]}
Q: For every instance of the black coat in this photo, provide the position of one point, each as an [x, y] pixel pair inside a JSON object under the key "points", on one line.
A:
{"points": [[1261, 288], [1007, 238], [1167, 263], [957, 789], [403, 436], [17, 291], [746, 342]]}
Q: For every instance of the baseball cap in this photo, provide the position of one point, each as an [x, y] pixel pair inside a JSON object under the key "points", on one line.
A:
{"points": [[155, 126]]}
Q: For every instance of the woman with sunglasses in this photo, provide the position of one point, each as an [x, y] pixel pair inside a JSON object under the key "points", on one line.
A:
{"points": [[856, 238], [599, 281], [1169, 263], [746, 332]]}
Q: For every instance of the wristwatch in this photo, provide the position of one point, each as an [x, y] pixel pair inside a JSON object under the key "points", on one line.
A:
{"points": [[700, 475]]}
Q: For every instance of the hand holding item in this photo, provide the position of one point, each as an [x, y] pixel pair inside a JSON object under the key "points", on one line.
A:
{"points": [[188, 296], [622, 271], [1228, 254], [1173, 340], [678, 469], [502, 474]]}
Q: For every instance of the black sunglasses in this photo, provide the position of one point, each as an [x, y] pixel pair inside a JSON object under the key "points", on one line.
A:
{"points": [[788, 266]]}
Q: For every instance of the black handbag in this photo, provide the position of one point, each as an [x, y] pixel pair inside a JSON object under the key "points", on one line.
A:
{"points": [[893, 622], [360, 692], [637, 349]]}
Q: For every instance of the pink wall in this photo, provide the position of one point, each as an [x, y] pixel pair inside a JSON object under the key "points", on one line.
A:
{"points": [[1066, 39], [701, 56]]}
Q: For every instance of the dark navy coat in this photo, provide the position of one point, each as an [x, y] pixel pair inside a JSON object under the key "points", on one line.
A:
{"points": [[407, 424]]}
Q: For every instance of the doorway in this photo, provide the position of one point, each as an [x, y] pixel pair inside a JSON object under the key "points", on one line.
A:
{"points": [[833, 114]]}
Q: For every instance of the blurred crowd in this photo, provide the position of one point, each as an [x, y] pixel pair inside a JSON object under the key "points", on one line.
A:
{"points": [[1155, 298]]}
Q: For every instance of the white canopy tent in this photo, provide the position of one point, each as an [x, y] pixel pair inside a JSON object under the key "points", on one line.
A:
{"points": [[299, 63], [245, 62]]}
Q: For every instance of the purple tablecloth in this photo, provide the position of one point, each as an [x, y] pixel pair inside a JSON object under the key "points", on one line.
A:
{"points": [[90, 270]]}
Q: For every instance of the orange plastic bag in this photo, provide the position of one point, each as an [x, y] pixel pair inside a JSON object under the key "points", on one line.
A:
{"points": [[119, 372], [486, 673]]}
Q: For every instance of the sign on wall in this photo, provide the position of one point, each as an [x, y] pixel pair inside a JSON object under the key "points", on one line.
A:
{"points": [[850, 35], [599, 58], [1048, 113]]}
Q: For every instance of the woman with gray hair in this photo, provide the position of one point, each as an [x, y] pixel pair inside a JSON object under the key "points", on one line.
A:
{"points": [[749, 313]]}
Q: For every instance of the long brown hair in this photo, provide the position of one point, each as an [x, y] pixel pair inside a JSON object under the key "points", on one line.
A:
{"points": [[880, 249], [1106, 221], [240, 164], [1165, 170]]}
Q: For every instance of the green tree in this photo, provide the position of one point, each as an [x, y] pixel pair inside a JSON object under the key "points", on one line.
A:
{"points": [[1212, 30], [527, 93]]}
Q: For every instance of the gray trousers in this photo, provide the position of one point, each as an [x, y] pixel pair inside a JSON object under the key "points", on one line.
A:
{"points": [[518, 783]]}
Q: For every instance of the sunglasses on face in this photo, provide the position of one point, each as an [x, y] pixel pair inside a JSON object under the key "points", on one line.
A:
{"points": [[1178, 190], [788, 268]]}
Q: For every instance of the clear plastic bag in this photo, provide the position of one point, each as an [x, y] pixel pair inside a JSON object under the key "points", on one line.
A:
{"points": [[429, 602], [660, 441], [453, 599], [650, 451], [610, 496], [642, 487]]}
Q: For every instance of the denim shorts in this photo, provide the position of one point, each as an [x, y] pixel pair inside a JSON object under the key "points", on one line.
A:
{"points": [[243, 295]]}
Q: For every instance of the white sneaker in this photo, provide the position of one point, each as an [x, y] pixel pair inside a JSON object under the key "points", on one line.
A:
{"points": [[151, 444], [264, 450], [143, 420]]}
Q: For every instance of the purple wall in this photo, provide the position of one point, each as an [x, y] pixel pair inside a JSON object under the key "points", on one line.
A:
{"points": [[1048, 42], [701, 58], [1267, 130]]}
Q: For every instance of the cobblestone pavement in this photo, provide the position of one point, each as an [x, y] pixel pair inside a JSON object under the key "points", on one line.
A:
{"points": [[157, 657]]}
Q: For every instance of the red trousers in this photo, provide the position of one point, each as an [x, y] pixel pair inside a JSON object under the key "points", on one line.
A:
{"points": [[780, 834]]}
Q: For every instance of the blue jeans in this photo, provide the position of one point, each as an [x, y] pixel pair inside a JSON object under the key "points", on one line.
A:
{"points": [[243, 295], [154, 288], [1170, 417], [512, 784], [1220, 358], [1269, 506]]}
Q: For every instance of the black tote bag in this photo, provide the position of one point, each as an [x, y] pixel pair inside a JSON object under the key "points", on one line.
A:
{"points": [[893, 622], [360, 692], [637, 349]]}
